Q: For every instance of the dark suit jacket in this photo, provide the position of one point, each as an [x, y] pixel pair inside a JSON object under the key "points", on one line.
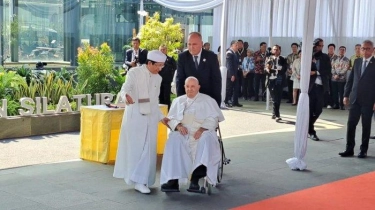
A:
{"points": [[232, 59], [208, 73], [324, 71], [167, 72], [359, 88], [142, 57]]}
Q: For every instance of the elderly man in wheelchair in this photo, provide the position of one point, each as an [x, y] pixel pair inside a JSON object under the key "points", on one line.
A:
{"points": [[192, 149]]}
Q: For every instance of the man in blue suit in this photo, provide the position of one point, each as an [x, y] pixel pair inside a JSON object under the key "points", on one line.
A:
{"points": [[201, 64], [360, 94]]}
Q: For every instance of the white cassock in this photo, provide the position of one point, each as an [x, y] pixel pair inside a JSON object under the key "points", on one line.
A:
{"points": [[136, 152], [183, 154]]}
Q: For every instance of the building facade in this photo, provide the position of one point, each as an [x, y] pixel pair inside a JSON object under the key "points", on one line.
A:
{"points": [[52, 30]]}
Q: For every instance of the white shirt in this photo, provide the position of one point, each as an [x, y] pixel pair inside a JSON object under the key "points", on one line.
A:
{"points": [[198, 58]]}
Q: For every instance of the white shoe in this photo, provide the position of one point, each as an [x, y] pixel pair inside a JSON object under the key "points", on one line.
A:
{"points": [[142, 188], [329, 107]]}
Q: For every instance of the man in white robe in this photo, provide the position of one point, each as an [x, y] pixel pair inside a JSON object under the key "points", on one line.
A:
{"points": [[136, 153], [192, 147]]}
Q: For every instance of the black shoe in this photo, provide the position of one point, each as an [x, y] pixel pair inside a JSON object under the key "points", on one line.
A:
{"points": [[335, 107], [238, 105], [278, 118], [314, 137], [194, 187], [228, 105], [170, 186], [346, 153], [362, 155], [289, 102], [256, 99], [372, 137], [273, 117]]}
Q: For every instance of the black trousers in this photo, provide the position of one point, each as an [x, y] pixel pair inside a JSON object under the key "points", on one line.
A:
{"points": [[240, 81], [316, 105], [199, 172], [259, 79], [165, 94], [290, 88], [276, 91], [357, 111], [232, 91], [328, 98], [248, 86], [338, 93]]}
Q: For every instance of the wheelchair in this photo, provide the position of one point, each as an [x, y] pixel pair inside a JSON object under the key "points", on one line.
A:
{"points": [[207, 187]]}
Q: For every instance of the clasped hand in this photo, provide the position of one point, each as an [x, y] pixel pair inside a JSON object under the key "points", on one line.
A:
{"points": [[184, 131]]}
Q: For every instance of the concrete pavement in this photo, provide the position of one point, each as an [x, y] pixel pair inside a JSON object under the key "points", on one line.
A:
{"points": [[53, 177]]}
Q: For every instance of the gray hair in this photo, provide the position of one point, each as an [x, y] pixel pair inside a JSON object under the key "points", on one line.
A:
{"points": [[368, 42], [191, 78]]}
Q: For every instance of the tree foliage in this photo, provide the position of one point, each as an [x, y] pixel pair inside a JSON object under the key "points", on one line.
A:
{"points": [[155, 33], [95, 66]]}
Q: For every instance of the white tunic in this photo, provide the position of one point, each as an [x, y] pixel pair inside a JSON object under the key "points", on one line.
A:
{"points": [[183, 154], [136, 152]]}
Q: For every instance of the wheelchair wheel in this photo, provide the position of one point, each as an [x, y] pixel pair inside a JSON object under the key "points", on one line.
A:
{"points": [[220, 168]]}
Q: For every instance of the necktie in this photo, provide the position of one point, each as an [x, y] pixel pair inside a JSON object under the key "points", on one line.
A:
{"points": [[363, 67], [196, 61]]}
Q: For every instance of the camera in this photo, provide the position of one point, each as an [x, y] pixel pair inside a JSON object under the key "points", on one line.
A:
{"points": [[136, 59], [40, 65]]}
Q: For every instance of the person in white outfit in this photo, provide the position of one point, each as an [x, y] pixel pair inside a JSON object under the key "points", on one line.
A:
{"points": [[192, 147], [136, 153]]}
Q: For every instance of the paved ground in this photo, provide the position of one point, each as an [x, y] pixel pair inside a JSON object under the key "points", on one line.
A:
{"points": [[55, 178]]}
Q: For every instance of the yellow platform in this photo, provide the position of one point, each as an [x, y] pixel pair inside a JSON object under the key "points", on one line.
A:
{"points": [[100, 131]]}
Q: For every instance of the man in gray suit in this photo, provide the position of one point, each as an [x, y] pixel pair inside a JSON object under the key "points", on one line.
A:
{"points": [[361, 88]]}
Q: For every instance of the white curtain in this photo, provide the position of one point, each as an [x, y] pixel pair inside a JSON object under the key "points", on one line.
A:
{"points": [[302, 121], [189, 5], [342, 22]]}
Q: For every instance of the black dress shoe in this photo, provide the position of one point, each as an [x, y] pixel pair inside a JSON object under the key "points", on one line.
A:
{"points": [[346, 153], [314, 137], [238, 105], [170, 186], [362, 155], [194, 187], [372, 137], [273, 117], [278, 118]]}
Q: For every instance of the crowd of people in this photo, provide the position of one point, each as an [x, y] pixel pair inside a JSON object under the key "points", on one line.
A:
{"points": [[192, 149]]}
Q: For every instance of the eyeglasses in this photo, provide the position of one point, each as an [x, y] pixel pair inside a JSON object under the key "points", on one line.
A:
{"points": [[159, 65]]}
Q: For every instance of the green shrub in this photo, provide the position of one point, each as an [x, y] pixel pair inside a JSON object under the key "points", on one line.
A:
{"points": [[95, 67]]}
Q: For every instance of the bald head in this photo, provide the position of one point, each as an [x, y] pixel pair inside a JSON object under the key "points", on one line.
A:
{"points": [[191, 87]]}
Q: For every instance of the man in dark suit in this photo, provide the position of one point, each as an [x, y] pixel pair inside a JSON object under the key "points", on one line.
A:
{"points": [[319, 84], [201, 64], [276, 67], [360, 87], [166, 74], [135, 56], [232, 89]]}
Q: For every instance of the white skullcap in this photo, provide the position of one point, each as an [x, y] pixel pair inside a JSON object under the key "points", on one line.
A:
{"points": [[156, 56]]}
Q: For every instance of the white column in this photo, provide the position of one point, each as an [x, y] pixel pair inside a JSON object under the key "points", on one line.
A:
{"points": [[302, 123]]}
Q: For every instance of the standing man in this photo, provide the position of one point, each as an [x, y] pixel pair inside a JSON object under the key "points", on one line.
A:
{"points": [[290, 59], [260, 77], [135, 56], [166, 73], [319, 84], [241, 55], [207, 46], [136, 153], [232, 76], [276, 67], [340, 67], [201, 64], [361, 89]]}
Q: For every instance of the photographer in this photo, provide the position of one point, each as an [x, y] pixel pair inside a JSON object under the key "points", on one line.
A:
{"points": [[135, 56], [276, 67]]}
